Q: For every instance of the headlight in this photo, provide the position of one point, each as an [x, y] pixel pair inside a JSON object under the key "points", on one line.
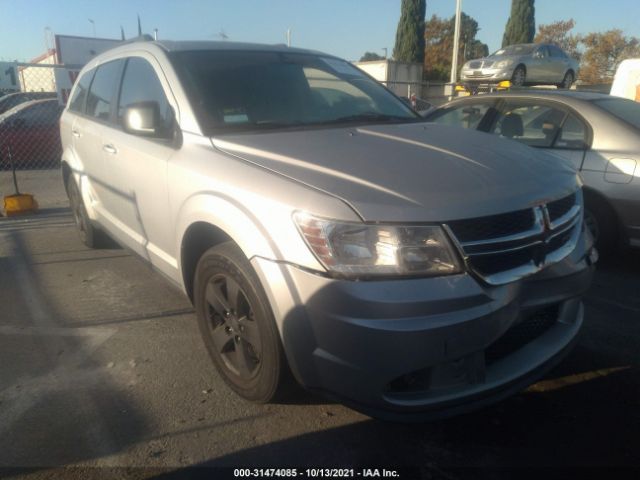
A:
{"points": [[358, 249], [503, 63]]}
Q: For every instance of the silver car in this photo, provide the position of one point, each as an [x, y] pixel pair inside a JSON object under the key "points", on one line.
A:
{"points": [[597, 133], [526, 64], [323, 231]]}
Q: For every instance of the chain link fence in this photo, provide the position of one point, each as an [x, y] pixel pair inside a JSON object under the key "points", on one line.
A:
{"points": [[30, 146]]}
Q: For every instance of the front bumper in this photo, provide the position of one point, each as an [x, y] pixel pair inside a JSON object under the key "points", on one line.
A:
{"points": [[486, 75], [425, 348]]}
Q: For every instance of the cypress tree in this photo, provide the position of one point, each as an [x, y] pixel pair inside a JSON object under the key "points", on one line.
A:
{"points": [[521, 26], [410, 34]]}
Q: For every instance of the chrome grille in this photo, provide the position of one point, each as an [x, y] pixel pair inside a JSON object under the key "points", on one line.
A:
{"points": [[503, 248]]}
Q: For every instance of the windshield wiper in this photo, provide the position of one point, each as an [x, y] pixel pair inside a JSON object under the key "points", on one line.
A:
{"points": [[369, 117]]}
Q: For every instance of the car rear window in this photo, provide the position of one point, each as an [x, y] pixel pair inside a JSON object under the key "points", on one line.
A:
{"points": [[626, 110]]}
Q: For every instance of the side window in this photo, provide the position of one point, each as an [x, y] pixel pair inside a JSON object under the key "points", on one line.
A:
{"points": [[76, 103], [542, 52], [533, 124], [468, 116], [573, 134], [140, 84], [102, 89]]}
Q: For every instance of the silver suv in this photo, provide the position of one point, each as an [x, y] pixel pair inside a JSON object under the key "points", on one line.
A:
{"points": [[322, 230]]}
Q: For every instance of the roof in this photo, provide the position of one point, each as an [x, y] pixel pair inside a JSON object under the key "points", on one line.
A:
{"points": [[177, 46], [570, 95]]}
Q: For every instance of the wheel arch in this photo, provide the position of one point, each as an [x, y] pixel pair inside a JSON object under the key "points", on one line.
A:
{"points": [[209, 219]]}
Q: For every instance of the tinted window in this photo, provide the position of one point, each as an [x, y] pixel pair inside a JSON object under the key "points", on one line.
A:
{"points": [[102, 90], [467, 116], [626, 110], [535, 125], [76, 103], [267, 90], [140, 84]]}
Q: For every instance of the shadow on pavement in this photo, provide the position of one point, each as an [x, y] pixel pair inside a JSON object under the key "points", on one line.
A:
{"points": [[57, 404]]}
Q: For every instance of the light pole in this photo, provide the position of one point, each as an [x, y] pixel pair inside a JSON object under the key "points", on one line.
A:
{"points": [[385, 52], [456, 43], [94, 26]]}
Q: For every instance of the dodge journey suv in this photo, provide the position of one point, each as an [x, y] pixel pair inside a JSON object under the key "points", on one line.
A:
{"points": [[323, 231]]}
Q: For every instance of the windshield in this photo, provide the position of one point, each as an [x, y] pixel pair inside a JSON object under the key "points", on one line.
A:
{"points": [[240, 91], [515, 50], [626, 110]]}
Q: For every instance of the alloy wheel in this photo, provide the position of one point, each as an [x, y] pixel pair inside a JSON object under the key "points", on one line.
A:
{"points": [[232, 326]]}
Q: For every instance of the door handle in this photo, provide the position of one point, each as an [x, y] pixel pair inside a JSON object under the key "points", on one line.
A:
{"points": [[75, 133], [107, 147]]}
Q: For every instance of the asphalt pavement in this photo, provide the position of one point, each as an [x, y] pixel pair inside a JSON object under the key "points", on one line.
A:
{"points": [[101, 365]]}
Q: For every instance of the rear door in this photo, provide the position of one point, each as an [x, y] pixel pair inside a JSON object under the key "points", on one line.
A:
{"points": [[88, 130], [538, 66]]}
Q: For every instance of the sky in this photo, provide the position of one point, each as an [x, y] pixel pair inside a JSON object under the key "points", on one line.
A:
{"points": [[346, 28]]}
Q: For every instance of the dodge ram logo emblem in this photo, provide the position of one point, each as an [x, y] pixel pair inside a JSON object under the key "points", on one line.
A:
{"points": [[544, 222]]}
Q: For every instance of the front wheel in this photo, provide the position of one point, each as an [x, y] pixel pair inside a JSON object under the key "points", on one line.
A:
{"points": [[601, 222], [519, 76], [237, 324]]}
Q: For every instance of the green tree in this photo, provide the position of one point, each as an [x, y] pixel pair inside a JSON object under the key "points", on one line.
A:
{"points": [[439, 34], [521, 26], [409, 45], [370, 57], [604, 52], [559, 34]]}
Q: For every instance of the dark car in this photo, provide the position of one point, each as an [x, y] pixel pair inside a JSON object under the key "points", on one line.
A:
{"points": [[599, 134], [30, 135], [14, 99]]}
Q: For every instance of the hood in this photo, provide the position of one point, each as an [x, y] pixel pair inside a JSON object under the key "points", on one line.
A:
{"points": [[417, 172]]}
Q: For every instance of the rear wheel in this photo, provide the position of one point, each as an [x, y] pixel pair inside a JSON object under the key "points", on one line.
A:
{"points": [[567, 81], [88, 233], [237, 325], [519, 76]]}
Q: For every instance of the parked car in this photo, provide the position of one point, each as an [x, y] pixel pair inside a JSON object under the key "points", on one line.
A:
{"points": [[11, 100], [321, 228], [599, 134], [526, 64], [30, 135]]}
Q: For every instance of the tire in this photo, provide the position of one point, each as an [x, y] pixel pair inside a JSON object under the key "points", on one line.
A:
{"points": [[601, 221], [567, 81], [89, 234], [238, 329], [519, 77]]}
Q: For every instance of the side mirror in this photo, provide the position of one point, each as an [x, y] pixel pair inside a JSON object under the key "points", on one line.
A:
{"points": [[143, 119]]}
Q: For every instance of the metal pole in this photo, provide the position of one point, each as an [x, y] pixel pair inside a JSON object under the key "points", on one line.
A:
{"points": [[288, 37], [93, 24], [456, 43]]}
